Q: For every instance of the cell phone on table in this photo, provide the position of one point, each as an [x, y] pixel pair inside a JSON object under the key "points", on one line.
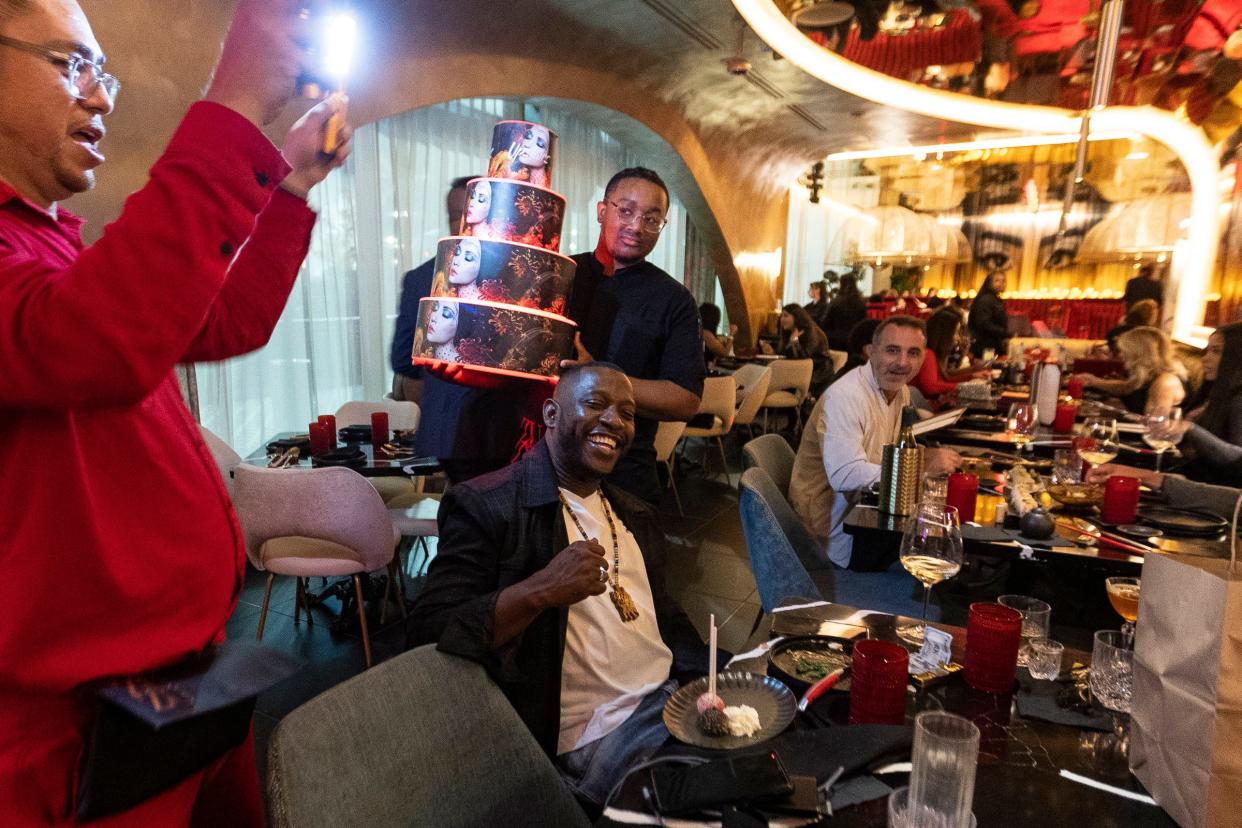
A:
{"points": [[721, 782]]}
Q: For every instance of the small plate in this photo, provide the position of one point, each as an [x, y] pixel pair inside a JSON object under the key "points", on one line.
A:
{"points": [[1184, 522], [831, 653], [773, 701], [1134, 530]]}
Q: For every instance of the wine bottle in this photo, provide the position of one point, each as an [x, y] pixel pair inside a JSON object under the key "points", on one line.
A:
{"points": [[906, 439]]}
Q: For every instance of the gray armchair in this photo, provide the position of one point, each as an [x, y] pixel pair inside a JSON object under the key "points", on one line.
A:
{"points": [[422, 739]]}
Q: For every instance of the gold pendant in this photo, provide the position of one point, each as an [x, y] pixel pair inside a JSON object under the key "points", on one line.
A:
{"points": [[624, 603]]}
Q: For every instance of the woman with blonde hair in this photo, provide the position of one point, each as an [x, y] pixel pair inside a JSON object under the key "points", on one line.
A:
{"points": [[1155, 380]]}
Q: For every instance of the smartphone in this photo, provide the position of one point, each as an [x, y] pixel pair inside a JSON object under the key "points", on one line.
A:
{"points": [[802, 800], [721, 782]]}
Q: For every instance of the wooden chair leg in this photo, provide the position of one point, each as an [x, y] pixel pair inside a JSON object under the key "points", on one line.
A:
{"points": [[724, 463], [387, 595], [306, 604], [398, 586], [297, 599], [267, 596], [676, 495], [362, 619]]}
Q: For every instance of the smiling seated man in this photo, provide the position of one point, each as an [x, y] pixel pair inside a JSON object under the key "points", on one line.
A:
{"points": [[552, 579], [842, 445]]}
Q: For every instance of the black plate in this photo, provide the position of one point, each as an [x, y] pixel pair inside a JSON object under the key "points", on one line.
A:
{"points": [[782, 658], [353, 458], [1184, 522], [358, 433]]}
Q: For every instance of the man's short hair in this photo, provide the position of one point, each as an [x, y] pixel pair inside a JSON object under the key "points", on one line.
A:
{"points": [[898, 321], [570, 374], [641, 173], [456, 183]]}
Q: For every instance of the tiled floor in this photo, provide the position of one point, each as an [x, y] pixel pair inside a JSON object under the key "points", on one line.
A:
{"points": [[708, 572]]}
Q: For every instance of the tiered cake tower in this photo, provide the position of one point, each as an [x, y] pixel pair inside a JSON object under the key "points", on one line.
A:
{"points": [[500, 285]]}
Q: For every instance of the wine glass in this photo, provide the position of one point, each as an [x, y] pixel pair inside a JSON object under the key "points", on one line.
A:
{"points": [[931, 551], [1123, 594], [1097, 441], [1021, 424], [1162, 430]]}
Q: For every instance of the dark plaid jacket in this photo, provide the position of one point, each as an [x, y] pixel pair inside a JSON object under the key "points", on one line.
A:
{"points": [[495, 531]]}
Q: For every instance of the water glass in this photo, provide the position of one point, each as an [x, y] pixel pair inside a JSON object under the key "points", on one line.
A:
{"points": [[1066, 467], [1112, 670], [1036, 615], [993, 634], [878, 685], [899, 815], [935, 489], [1044, 662], [942, 769], [1021, 423]]}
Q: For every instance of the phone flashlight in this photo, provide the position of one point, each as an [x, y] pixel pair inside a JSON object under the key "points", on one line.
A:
{"points": [[339, 36]]}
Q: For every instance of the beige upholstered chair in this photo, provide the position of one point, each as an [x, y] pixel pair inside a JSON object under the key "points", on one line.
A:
{"points": [[325, 523], [839, 358], [720, 401], [226, 458], [667, 435], [402, 416], [788, 388], [752, 387]]}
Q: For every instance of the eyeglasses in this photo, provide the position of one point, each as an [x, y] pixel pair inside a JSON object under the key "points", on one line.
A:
{"points": [[82, 75], [649, 221]]}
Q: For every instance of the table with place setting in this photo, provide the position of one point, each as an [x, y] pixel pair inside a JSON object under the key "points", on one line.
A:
{"points": [[1038, 751]]}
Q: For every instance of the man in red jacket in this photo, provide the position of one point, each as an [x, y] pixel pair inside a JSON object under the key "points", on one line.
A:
{"points": [[116, 532]]}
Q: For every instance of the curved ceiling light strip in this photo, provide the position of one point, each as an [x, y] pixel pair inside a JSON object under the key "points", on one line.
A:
{"points": [[1189, 282]]}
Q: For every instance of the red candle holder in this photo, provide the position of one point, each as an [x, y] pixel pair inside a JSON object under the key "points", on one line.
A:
{"points": [[963, 493], [379, 429], [330, 421], [1066, 414], [320, 440], [1074, 388], [1121, 497], [993, 634], [878, 684]]}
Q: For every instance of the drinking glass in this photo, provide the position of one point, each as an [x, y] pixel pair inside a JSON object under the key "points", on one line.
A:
{"points": [[1112, 670], [1097, 441], [1045, 660], [899, 815], [931, 550], [1036, 615], [942, 769], [1066, 467], [1021, 423], [1162, 430], [1123, 594], [936, 489]]}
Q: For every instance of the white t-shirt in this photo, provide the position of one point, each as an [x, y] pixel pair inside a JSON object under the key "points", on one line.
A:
{"points": [[839, 455], [609, 665]]}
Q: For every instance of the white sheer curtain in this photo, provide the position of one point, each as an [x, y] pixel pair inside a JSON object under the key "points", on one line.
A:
{"points": [[380, 216]]}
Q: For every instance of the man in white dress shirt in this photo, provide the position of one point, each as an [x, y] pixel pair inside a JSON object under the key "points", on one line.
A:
{"points": [[843, 442]]}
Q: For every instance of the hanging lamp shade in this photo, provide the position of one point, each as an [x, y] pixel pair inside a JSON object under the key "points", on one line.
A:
{"points": [[1146, 228], [885, 235], [949, 243]]}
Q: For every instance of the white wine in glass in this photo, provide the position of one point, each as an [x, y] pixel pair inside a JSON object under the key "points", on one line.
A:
{"points": [[931, 551], [1098, 443], [1021, 423]]}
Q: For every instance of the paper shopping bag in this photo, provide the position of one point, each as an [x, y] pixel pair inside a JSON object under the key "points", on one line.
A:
{"points": [[1186, 737]]}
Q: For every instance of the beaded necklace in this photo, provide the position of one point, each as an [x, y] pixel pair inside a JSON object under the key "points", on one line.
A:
{"points": [[620, 598]]}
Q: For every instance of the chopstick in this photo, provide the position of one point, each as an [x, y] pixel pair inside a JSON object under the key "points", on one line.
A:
{"points": [[1109, 539]]}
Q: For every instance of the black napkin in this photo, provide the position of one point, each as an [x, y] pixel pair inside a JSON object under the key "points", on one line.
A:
{"points": [[358, 433], [1039, 700], [821, 751], [354, 458], [299, 441]]}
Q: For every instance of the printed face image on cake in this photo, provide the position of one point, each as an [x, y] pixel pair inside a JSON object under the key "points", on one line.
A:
{"points": [[495, 271], [492, 337], [513, 211], [522, 151]]}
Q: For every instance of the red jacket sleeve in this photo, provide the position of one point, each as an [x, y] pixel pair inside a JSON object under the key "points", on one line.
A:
{"points": [[105, 329], [928, 380], [246, 311]]}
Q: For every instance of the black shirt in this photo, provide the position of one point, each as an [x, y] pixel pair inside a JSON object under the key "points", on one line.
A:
{"points": [[1140, 287], [646, 322]]}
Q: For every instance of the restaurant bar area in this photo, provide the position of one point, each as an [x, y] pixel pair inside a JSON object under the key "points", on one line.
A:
{"points": [[621, 412]]}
